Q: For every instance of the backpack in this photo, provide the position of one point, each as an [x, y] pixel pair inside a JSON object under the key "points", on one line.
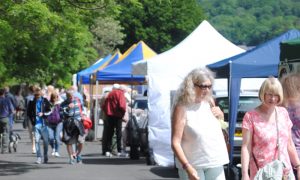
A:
{"points": [[54, 117]]}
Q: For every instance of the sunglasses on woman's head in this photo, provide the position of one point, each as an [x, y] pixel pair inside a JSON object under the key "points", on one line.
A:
{"points": [[202, 86]]}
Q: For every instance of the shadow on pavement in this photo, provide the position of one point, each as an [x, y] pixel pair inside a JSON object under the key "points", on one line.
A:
{"points": [[113, 161], [8, 168], [165, 172]]}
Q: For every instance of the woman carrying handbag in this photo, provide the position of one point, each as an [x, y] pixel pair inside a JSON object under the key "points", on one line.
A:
{"points": [[264, 128]]}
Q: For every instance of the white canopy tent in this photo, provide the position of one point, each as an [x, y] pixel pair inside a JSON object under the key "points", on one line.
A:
{"points": [[166, 71]]}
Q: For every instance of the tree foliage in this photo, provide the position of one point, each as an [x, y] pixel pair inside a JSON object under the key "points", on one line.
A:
{"points": [[161, 24], [45, 45], [108, 35], [252, 22], [46, 41]]}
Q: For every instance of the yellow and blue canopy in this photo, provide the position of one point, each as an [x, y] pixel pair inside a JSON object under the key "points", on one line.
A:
{"points": [[120, 71], [84, 76]]}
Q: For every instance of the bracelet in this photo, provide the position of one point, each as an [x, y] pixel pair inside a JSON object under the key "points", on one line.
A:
{"points": [[185, 165], [296, 167]]}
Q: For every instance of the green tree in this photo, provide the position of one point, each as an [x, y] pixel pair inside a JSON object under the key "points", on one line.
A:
{"points": [[5, 40], [46, 48], [47, 41], [107, 34], [251, 22], [161, 24]]}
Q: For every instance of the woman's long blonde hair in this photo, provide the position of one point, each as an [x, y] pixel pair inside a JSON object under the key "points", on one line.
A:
{"points": [[186, 93]]}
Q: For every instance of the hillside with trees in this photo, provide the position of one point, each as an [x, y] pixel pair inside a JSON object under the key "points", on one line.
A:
{"points": [[46, 41], [252, 22]]}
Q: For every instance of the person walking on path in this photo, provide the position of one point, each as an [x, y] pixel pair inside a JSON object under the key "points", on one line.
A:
{"points": [[6, 110], [267, 133], [54, 124], [27, 122], [70, 108], [114, 107], [14, 103], [38, 109], [20, 104], [105, 126], [197, 139]]}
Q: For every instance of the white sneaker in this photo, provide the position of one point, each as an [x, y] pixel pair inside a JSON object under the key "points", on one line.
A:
{"points": [[108, 154], [56, 154], [39, 160], [53, 152]]}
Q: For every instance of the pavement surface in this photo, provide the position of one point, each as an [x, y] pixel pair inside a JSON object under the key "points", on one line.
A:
{"points": [[21, 165]]}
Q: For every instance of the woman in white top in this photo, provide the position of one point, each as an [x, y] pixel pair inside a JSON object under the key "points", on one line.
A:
{"points": [[197, 138]]}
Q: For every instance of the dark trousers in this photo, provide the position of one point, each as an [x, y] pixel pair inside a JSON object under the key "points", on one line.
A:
{"points": [[112, 124], [104, 137], [5, 130]]}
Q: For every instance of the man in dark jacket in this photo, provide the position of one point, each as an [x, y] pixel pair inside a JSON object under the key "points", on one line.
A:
{"points": [[114, 107], [38, 109]]}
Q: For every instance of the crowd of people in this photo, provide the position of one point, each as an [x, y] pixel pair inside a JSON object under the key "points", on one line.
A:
{"points": [[44, 111], [270, 131], [47, 112]]}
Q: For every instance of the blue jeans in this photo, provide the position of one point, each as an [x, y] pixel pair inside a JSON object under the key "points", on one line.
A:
{"points": [[216, 173], [11, 122], [54, 135], [41, 132]]}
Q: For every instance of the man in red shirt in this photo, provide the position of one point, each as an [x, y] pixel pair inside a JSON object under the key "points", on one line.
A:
{"points": [[114, 108]]}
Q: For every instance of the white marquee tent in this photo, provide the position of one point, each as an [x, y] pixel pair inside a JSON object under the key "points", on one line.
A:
{"points": [[166, 71]]}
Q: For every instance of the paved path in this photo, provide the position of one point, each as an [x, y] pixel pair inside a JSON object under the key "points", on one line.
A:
{"points": [[21, 166]]}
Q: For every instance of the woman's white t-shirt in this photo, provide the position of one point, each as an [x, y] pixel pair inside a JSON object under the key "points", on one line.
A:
{"points": [[202, 141]]}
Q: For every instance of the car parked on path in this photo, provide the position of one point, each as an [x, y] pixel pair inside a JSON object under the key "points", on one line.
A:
{"points": [[248, 101]]}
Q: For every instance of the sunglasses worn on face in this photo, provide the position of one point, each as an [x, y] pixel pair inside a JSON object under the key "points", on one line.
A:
{"points": [[203, 87]]}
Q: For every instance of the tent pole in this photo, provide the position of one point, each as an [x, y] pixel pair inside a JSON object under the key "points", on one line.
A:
{"points": [[91, 96], [96, 117], [131, 99], [229, 112], [79, 85]]}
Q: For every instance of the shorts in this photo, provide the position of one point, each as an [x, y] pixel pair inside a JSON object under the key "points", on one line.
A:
{"points": [[81, 139]]}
